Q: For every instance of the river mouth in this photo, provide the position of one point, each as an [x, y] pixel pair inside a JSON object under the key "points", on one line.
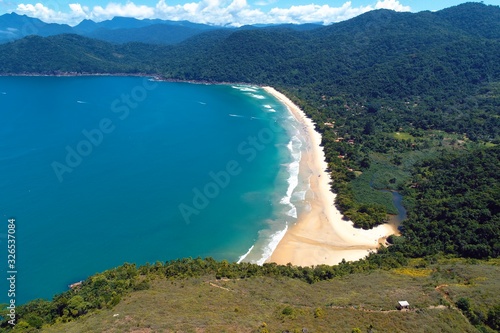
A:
{"points": [[397, 200]]}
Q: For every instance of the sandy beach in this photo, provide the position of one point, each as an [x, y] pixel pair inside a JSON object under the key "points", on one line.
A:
{"points": [[320, 235]]}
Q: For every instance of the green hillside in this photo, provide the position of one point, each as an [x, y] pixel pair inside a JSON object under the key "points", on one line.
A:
{"points": [[189, 296]]}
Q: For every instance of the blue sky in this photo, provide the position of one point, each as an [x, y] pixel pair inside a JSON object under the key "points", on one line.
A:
{"points": [[218, 12]]}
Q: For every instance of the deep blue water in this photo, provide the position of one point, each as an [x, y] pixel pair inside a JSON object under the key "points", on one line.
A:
{"points": [[95, 170]]}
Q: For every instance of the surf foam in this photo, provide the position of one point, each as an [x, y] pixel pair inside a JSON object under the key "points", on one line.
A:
{"points": [[245, 255], [271, 246], [293, 169]]}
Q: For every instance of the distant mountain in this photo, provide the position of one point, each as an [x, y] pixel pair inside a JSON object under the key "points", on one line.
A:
{"points": [[129, 23], [120, 30], [163, 33], [117, 30], [14, 26], [124, 23], [85, 27], [340, 54], [133, 23]]}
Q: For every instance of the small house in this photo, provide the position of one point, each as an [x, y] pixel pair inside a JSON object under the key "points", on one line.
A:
{"points": [[75, 285], [403, 305]]}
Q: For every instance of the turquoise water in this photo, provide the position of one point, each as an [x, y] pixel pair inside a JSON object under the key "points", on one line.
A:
{"points": [[98, 171]]}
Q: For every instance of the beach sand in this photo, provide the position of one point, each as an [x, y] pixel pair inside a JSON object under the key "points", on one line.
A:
{"points": [[320, 235]]}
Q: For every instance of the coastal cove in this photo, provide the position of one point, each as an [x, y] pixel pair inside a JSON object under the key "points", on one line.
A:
{"points": [[103, 170]]}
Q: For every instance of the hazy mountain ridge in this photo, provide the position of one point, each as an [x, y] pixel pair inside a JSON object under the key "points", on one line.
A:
{"points": [[14, 26], [119, 30]]}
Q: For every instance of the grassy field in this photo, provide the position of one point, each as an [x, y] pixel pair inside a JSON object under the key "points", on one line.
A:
{"points": [[262, 304]]}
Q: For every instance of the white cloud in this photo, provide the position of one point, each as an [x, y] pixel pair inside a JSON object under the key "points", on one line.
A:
{"points": [[260, 2], [218, 12], [77, 9], [315, 13], [129, 10], [75, 15], [392, 4]]}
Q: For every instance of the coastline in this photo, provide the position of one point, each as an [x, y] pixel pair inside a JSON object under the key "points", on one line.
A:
{"points": [[156, 77], [320, 235]]}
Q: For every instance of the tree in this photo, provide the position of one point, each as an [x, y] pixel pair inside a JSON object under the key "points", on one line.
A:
{"points": [[77, 305], [493, 320]]}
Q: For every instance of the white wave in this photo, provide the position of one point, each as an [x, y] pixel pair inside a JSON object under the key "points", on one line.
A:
{"points": [[258, 96], [269, 108], [271, 246], [236, 115], [246, 88], [245, 255], [293, 169], [81, 102], [202, 103]]}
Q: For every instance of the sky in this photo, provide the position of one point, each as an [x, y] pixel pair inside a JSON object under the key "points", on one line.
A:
{"points": [[216, 12]]}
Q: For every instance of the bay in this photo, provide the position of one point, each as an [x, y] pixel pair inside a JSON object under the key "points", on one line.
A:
{"points": [[98, 171]]}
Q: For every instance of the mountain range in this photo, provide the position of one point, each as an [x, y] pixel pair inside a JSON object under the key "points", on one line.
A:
{"points": [[117, 30], [341, 54]]}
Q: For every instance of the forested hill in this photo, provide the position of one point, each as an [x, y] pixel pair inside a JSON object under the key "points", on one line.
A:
{"points": [[393, 54], [69, 53], [445, 49], [389, 91]]}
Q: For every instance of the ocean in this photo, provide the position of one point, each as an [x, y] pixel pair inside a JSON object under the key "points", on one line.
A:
{"points": [[98, 171]]}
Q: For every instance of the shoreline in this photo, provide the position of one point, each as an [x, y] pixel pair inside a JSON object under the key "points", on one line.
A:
{"points": [[321, 235], [156, 77]]}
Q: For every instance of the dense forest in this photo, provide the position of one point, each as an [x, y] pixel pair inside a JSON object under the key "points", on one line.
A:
{"points": [[405, 102], [455, 202]]}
